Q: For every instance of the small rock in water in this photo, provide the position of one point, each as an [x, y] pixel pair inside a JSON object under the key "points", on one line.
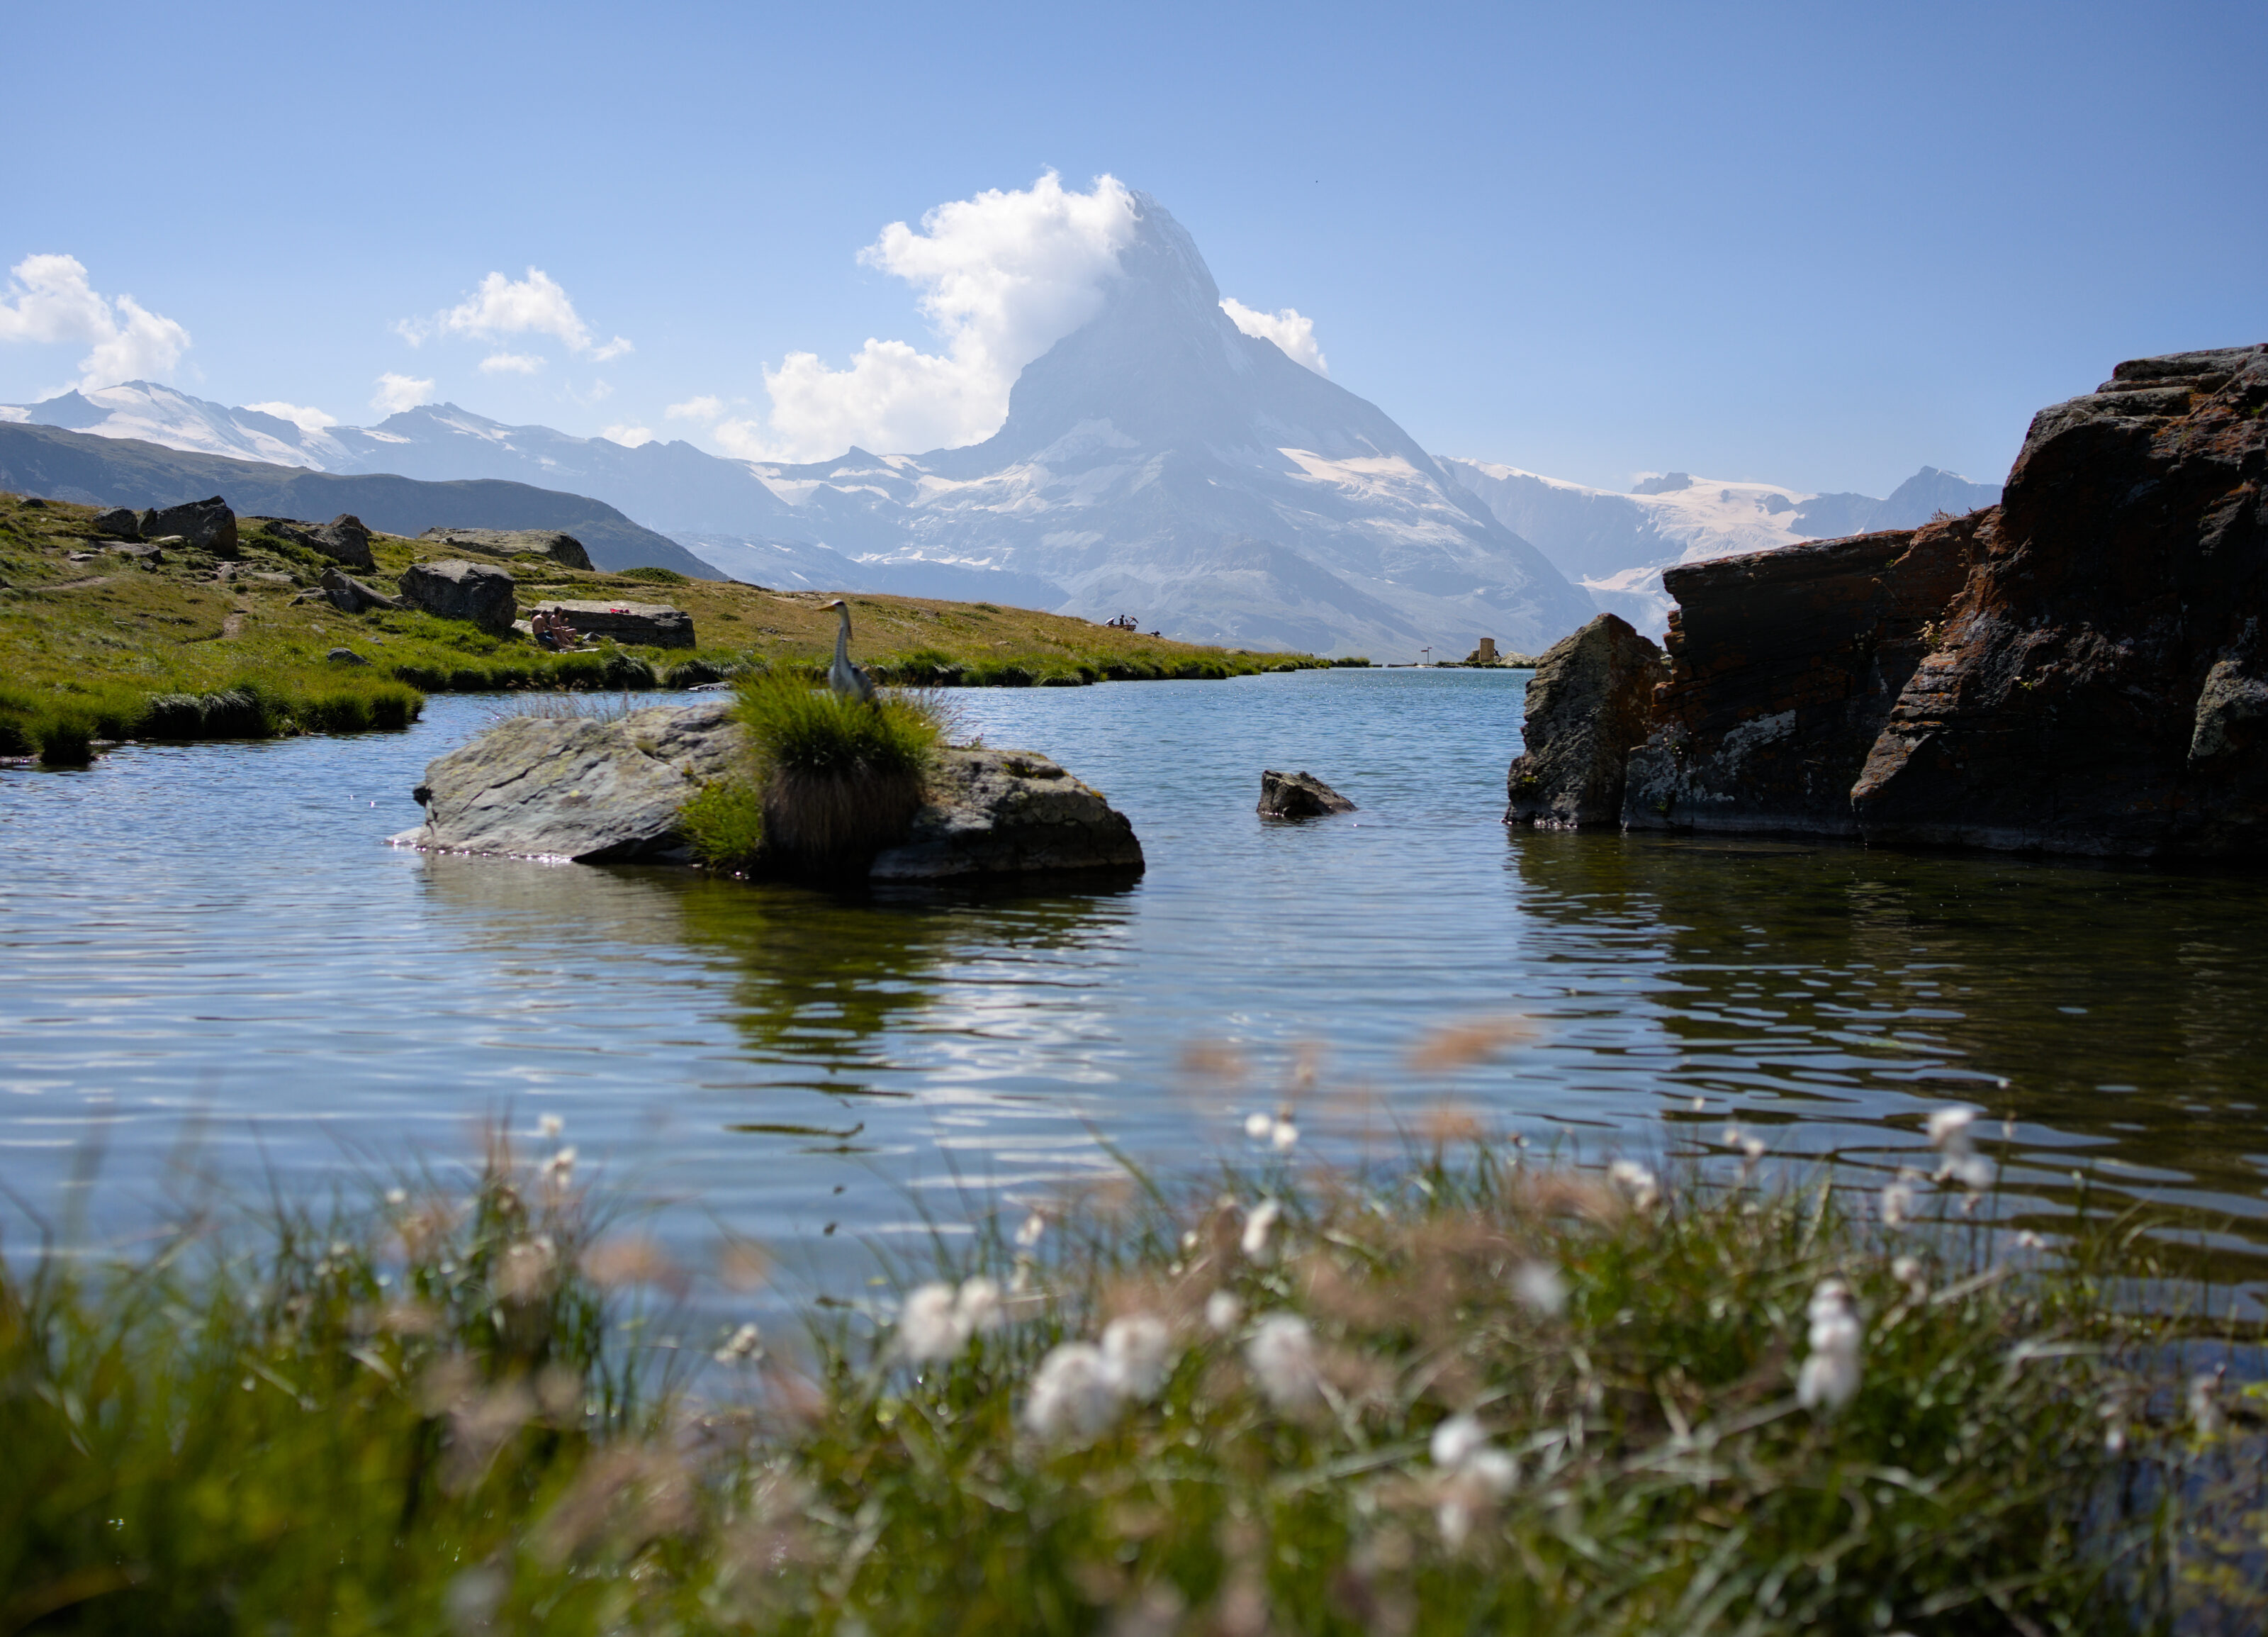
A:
{"points": [[1299, 795]]}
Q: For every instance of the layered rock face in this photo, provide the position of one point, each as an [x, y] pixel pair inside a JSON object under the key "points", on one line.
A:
{"points": [[1783, 668], [1589, 703], [2079, 669], [564, 550], [2100, 681]]}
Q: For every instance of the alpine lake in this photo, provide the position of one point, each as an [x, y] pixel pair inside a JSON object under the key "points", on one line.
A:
{"points": [[217, 975]]}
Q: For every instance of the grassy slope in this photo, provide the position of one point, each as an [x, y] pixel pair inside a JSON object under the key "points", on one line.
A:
{"points": [[99, 636]]}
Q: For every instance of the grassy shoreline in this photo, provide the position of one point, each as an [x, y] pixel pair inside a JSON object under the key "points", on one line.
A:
{"points": [[1469, 1395], [89, 648]]}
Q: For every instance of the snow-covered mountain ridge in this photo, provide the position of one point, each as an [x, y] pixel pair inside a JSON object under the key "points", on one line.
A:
{"points": [[1616, 544]]}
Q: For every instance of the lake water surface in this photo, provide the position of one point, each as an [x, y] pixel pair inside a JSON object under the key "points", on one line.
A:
{"points": [[213, 942]]}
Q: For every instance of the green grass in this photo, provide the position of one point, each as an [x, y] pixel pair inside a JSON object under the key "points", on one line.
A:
{"points": [[829, 781], [423, 1416]]}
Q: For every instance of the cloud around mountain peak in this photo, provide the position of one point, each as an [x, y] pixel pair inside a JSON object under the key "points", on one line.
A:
{"points": [[1001, 277]]}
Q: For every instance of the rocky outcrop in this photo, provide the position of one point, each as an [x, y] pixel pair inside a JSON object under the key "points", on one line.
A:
{"points": [[2081, 669], [349, 595], [574, 787], [452, 589], [598, 792], [1298, 796], [118, 523], [2098, 683], [343, 539], [1009, 812], [564, 550], [208, 525], [1783, 666], [633, 624], [1588, 703]]}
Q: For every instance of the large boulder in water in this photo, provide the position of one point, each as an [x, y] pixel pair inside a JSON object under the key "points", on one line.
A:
{"points": [[1588, 703], [574, 787], [603, 792], [1297, 796], [452, 589], [1009, 812]]}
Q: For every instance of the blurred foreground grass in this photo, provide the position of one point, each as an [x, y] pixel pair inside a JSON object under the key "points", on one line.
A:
{"points": [[1476, 1395]]}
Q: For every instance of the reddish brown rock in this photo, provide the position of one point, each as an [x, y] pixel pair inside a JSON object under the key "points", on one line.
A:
{"points": [[2100, 685], [1783, 664], [1589, 702]]}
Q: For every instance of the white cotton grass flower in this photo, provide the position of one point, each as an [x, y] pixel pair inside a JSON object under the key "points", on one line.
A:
{"points": [[1281, 1355], [978, 1307], [1474, 1473], [1641, 1184], [2204, 1403], [1257, 1125], [1949, 1133], [1898, 1201], [397, 1196], [1908, 1272], [1075, 1394], [1140, 1352], [1283, 1136], [1258, 1226], [1028, 1231], [560, 1166], [744, 1345], [1830, 1377], [1223, 1312], [929, 1328], [1455, 1439], [1540, 1286], [550, 1125]]}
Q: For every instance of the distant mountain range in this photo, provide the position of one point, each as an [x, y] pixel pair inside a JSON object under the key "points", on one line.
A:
{"points": [[1157, 461], [1615, 545]]}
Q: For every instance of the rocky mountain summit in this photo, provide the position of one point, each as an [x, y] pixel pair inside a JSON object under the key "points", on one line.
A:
{"points": [[2078, 669]]}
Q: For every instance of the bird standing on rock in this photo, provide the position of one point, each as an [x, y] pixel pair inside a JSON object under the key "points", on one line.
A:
{"points": [[843, 676]]}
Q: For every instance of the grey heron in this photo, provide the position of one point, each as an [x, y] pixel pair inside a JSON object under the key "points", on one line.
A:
{"points": [[843, 676]]}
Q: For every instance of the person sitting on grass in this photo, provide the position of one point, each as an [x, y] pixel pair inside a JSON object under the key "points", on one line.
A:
{"points": [[552, 630]]}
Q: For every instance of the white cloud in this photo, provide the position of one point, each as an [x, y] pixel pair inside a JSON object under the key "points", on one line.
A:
{"points": [[397, 393], [706, 408], [50, 299], [627, 435], [511, 363], [1003, 276], [306, 419], [536, 305], [1288, 330]]}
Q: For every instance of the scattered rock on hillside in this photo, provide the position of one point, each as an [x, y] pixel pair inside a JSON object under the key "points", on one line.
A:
{"points": [[345, 656], [1299, 795], [564, 550], [1009, 812], [208, 525], [573, 787], [349, 595], [635, 625], [1588, 703], [343, 539], [119, 523], [453, 589]]}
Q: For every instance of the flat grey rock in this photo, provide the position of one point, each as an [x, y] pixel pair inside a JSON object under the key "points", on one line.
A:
{"points": [[573, 787], [1009, 812], [452, 589]]}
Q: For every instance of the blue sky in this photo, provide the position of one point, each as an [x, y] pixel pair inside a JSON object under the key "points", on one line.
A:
{"points": [[1814, 245]]}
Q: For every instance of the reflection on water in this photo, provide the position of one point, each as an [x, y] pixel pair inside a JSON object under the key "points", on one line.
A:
{"points": [[219, 928]]}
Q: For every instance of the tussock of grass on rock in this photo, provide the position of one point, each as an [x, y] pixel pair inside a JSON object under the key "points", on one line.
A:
{"points": [[1478, 1398]]}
